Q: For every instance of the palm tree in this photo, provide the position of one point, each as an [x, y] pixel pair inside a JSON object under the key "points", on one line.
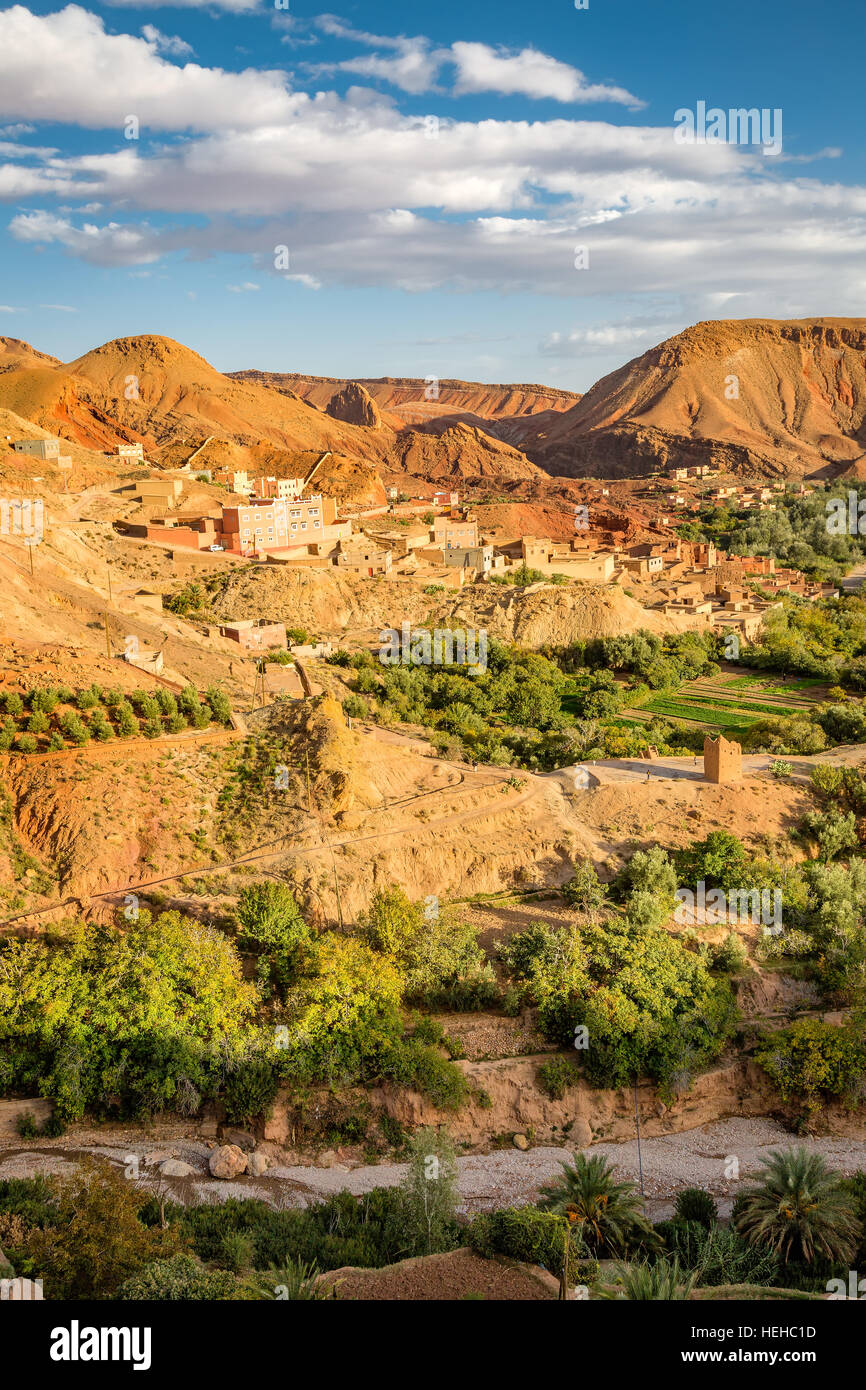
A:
{"points": [[607, 1213], [799, 1209], [662, 1281]]}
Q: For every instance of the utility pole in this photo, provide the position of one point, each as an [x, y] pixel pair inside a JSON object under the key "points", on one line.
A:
{"points": [[637, 1127], [30, 549], [107, 638], [108, 570]]}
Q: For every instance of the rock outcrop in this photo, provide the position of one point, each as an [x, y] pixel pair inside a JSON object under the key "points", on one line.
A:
{"points": [[354, 406]]}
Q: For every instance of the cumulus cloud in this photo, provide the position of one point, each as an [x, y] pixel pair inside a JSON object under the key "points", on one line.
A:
{"points": [[364, 195], [528, 73], [65, 68], [415, 65], [166, 43]]}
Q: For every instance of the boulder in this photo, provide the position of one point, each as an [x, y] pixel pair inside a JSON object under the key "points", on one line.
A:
{"points": [[257, 1165], [176, 1168], [228, 1161], [520, 1141]]}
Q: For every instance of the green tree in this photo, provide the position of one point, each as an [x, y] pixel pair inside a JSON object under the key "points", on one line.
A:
{"points": [[430, 1191], [608, 1214], [799, 1209], [272, 927]]}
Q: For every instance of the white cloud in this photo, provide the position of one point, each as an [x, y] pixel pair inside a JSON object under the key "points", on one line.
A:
{"points": [[235, 6], [65, 68], [245, 288], [416, 65], [166, 43], [528, 73], [362, 196], [60, 308]]}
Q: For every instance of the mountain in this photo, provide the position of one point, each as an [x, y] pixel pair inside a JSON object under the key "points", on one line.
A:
{"points": [[156, 390], [754, 396], [410, 401]]}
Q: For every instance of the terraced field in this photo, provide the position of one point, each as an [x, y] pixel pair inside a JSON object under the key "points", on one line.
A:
{"points": [[732, 702]]}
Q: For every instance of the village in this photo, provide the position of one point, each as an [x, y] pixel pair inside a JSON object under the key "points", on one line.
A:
{"points": [[436, 541]]}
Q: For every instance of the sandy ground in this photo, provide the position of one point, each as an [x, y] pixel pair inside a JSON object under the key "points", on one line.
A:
{"points": [[717, 1156]]}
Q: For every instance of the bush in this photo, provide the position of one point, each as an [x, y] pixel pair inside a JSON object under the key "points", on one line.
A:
{"points": [[696, 1204], [220, 704], [72, 728], [554, 1077], [527, 1234], [25, 743], [181, 1277], [813, 1060], [95, 1240], [38, 723]]}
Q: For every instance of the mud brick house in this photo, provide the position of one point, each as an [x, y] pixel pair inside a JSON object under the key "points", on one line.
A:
{"points": [[258, 636]]}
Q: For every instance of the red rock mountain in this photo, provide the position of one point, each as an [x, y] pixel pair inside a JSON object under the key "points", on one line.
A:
{"points": [[755, 396]]}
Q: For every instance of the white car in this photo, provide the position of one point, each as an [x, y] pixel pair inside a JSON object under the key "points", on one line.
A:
{"points": [[220, 548]]}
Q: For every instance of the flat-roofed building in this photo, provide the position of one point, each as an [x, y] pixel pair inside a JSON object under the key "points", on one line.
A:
{"points": [[258, 636], [279, 524], [455, 535], [38, 448]]}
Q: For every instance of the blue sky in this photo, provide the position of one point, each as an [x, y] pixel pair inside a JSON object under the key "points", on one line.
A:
{"points": [[496, 192]]}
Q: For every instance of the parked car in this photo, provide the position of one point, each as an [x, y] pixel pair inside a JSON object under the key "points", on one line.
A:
{"points": [[216, 547]]}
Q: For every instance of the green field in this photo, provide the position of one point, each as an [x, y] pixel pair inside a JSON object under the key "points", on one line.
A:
{"points": [[734, 702]]}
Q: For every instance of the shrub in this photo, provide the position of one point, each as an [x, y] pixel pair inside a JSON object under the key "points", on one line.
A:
{"points": [[554, 1077], [26, 1125], [181, 1277], [411, 1063], [95, 1240], [219, 703], [25, 743], [696, 1204], [73, 729], [38, 723], [55, 743], [662, 1281], [250, 1082], [13, 704], [527, 1234], [812, 1060]]}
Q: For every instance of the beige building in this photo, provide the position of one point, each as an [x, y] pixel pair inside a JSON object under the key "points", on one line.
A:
{"points": [[280, 524], [455, 535], [38, 448]]}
